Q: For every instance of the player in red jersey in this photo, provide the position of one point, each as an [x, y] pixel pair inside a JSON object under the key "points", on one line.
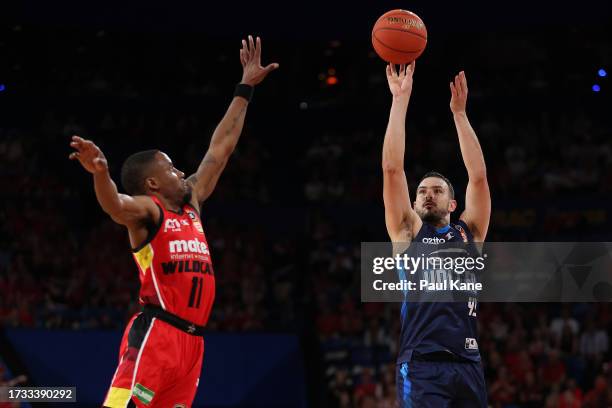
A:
{"points": [[161, 352]]}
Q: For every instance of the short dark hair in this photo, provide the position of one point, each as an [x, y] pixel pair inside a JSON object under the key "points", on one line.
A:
{"points": [[451, 190], [134, 171]]}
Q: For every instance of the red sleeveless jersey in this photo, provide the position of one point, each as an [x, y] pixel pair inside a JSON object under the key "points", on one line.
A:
{"points": [[175, 266]]}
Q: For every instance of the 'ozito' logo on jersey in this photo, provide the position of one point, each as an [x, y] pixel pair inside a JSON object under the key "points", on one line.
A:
{"points": [[172, 225], [434, 240], [192, 245]]}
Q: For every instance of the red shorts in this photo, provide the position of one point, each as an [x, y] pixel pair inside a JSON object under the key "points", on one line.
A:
{"points": [[159, 366]]}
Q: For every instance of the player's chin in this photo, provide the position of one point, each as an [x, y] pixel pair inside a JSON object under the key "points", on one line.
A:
{"points": [[426, 211], [430, 215]]}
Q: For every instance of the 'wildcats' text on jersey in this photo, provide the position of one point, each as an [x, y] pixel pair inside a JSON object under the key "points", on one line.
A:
{"points": [[175, 266]]}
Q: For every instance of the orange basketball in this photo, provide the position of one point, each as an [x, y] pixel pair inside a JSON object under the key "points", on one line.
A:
{"points": [[399, 36]]}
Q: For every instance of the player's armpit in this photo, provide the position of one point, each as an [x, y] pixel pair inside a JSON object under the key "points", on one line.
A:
{"points": [[135, 210], [477, 208]]}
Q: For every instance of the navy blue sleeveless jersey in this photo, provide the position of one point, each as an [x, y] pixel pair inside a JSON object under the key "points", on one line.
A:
{"points": [[439, 326]]}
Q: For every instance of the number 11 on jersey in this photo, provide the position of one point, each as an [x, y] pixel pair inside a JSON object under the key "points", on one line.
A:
{"points": [[196, 289]]}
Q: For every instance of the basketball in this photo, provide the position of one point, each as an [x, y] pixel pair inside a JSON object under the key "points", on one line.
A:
{"points": [[399, 36]]}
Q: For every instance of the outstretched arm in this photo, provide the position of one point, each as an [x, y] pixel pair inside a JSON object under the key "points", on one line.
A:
{"points": [[227, 133], [123, 209], [477, 196], [400, 217]]}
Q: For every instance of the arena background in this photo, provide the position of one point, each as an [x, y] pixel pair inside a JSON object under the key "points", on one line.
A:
{"points": [[303, 189]]}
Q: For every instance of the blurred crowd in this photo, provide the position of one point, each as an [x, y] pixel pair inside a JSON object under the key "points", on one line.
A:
{"points": [[558, 357], [300, 193]]}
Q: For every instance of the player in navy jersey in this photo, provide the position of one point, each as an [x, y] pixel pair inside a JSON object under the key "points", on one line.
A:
{"points": [[438, 362]]}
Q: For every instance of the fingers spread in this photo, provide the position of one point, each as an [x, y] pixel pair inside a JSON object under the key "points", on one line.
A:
{"points": [[271, 67], [251, 46], [245, 50], [258, 48], [74, 156], [410, 69]]}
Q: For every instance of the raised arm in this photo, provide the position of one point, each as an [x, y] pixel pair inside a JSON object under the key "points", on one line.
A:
{"points": [[477, 196], [400, 217], [133, 212], [227, 133]]}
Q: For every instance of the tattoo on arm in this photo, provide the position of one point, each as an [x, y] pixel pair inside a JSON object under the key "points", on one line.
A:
{"points": [[235, 121], [209, 160], [211, 166]]}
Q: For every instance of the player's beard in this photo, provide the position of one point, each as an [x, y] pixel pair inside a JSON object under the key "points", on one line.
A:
{"points": [[432, 215]]}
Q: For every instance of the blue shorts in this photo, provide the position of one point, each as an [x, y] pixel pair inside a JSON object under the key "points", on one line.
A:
{"points": [[425, 384]]}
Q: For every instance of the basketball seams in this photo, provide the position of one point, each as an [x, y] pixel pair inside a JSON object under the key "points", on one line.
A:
{"points": [[402, 30], [401, 14], [395, 49]]}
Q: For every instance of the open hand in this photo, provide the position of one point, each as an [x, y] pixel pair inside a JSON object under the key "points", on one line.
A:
{"points": [[459, 92], [250, 57], [400, 84], [88, 154]]}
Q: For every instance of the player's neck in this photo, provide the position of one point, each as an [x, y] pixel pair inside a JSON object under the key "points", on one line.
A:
{"points": [[168, 204], [440, 224]]}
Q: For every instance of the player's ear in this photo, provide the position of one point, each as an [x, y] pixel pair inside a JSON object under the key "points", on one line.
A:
{"points": [[452, 205], [151, 184]]}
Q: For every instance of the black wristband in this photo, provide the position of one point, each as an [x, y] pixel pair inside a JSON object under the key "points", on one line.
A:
{"points": [[245, 91]]}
